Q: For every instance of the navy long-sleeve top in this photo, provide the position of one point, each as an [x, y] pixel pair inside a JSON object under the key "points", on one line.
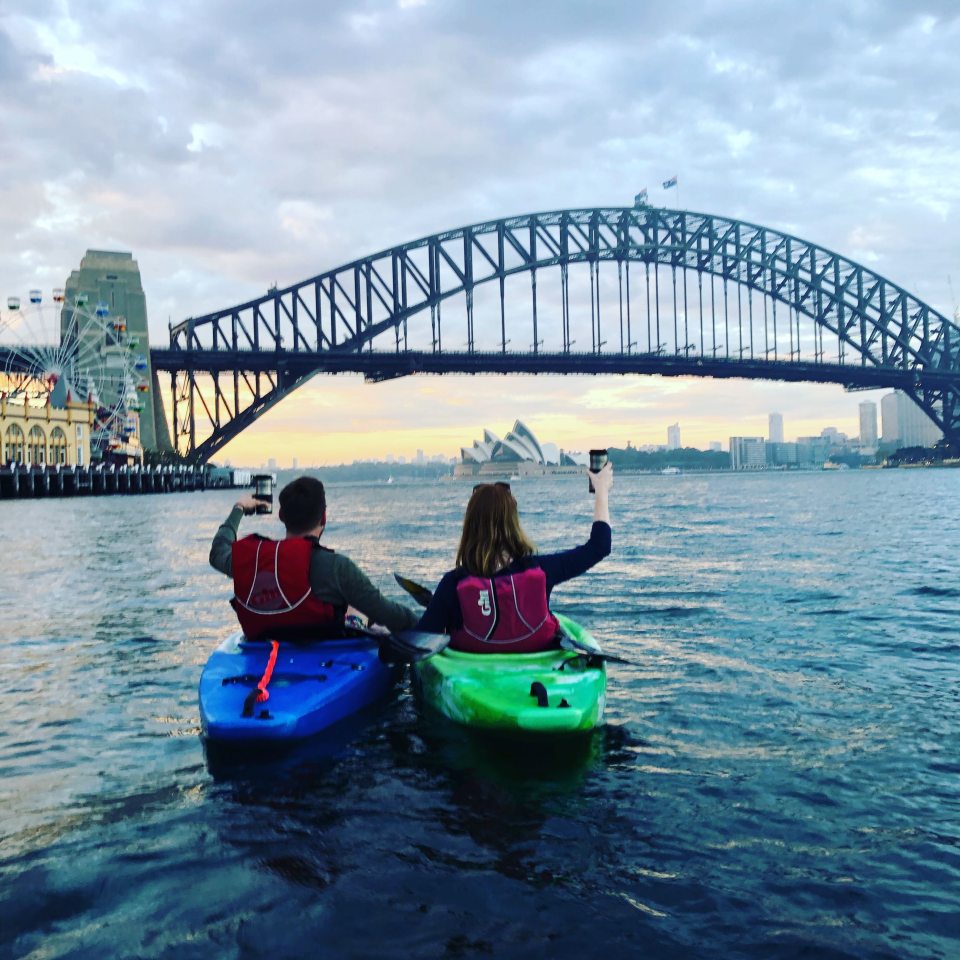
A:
{"points": [[444, 614]]}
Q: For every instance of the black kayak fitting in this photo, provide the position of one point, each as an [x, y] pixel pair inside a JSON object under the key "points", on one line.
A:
{"points": [[538, 690]]}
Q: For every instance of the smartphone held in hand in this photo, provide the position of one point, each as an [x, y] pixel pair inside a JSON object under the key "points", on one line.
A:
{"points": [[598, 460], [263, 491]]}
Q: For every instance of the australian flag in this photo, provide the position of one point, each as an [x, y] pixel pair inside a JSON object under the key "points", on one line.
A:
{"points": [[641, 198], [672, 182]]}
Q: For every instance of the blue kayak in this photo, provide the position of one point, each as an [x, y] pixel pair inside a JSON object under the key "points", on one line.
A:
{"points": [[314, 685]]}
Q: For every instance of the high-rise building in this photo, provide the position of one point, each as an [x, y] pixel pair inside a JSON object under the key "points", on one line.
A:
{"points": [[868, 424], [905, 424], [112, 279], [673, 436], [294, 464], [715, 446], [916, 428], [889, 421], [775, 421], [748, 453]]}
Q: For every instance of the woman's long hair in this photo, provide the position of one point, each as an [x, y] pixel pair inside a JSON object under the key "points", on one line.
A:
{"points": [[492, 537]]}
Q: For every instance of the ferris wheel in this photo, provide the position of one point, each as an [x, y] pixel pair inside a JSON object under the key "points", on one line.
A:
{"points": [[53, 351]]}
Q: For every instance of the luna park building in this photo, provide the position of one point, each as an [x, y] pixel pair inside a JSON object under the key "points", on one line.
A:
{"points": [[41, 433]]}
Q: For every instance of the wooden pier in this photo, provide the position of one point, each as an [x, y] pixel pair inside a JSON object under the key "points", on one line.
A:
{"points": [[22, 481]]}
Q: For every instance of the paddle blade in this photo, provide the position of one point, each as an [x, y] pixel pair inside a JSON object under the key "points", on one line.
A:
{"points": [[419, 593], [411, 646], [569, 642], [594, 657], [588, 647]]}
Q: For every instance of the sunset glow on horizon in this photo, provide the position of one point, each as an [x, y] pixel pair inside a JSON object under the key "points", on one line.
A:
{"points": [[333, 420]]}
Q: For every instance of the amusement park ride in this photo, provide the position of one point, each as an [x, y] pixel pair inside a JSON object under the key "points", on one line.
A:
{"points": [[54, 352]]}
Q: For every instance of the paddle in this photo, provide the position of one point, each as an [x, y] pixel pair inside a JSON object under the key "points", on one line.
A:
{"points": [[410, 646], [419, 593], [402, 646], [423, 596]]}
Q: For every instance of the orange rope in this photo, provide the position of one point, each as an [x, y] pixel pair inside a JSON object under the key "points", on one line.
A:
{"points": [[268, 673]]}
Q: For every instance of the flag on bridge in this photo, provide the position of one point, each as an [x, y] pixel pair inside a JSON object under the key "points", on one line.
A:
{"points": [[641, 198], [672, 182]]}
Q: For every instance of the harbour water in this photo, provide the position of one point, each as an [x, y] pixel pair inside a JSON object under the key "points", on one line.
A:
{"points": [[777, 776]]}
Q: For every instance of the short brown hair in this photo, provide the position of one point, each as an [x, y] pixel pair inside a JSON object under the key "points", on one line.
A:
{"points": [[492, 536], [303, 505]]}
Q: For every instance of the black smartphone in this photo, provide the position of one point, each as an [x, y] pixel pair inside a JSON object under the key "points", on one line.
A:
{"points": [[263, 491], [598, 459]]}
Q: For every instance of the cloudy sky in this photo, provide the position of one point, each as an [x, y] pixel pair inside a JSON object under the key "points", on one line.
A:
{"points": [[230, 144]]}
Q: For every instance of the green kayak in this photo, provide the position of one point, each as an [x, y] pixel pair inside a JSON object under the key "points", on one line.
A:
{"points": [[556, 691]]}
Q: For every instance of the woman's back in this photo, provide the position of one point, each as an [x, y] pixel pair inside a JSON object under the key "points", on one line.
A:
{"points": [[497, 598]]}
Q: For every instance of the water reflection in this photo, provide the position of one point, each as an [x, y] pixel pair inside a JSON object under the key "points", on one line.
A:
{"points": [[776, 776]]}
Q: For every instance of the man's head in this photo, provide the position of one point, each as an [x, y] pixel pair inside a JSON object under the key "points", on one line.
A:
{"points": [[303, 506]]}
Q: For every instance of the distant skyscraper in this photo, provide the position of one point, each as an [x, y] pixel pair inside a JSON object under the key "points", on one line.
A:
{"points": [[905, 424], [112, 278], [715, 446], [295, 464], [888, 418], [272, 463], [776, 427], [673, 437], [916, 428], [868, 424]]}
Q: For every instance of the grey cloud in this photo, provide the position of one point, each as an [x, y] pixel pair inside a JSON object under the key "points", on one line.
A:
{"points": [[413, 120]]}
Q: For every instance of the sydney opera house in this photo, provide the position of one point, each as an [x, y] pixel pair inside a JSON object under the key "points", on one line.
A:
{"points": [[518, 454]]}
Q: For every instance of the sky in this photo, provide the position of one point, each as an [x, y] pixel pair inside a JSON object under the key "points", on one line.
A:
{"points": [[230, 145]]}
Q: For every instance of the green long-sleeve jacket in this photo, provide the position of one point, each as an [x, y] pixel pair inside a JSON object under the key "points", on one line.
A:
{"points": [[334, 578]]}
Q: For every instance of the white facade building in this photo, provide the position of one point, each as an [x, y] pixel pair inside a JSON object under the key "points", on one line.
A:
{"points": [[748, 453], [673, 436]]}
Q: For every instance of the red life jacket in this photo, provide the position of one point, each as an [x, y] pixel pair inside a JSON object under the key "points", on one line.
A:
{"points": [[507, 613], [272, 593]]}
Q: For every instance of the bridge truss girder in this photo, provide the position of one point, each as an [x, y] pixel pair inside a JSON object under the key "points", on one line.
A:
{"points": [[861, 329]]}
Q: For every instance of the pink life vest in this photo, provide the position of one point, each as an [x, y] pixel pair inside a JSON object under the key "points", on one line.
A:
{"points": [[272, 592], [507, 613]]}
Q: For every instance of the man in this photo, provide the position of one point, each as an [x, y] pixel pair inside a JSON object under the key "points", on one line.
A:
{"points": [[294, 586]]}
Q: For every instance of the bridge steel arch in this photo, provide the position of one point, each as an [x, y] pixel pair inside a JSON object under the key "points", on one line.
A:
{"points": [[717, 297]]}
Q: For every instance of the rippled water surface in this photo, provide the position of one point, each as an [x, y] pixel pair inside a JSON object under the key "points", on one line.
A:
{"points": [[777, 776]]}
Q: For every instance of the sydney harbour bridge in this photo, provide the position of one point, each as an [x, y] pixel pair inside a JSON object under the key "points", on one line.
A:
{"points": [[633, 290]]}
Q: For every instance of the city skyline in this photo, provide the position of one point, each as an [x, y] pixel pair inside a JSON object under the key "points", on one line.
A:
{"points": [[830, 427]]}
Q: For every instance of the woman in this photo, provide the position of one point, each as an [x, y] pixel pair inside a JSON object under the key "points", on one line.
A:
{"points": [[496, 600]]}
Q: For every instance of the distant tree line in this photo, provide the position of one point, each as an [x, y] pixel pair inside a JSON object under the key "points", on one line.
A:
{"points": [[377, 471], [940, 451], [686, 459]]}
